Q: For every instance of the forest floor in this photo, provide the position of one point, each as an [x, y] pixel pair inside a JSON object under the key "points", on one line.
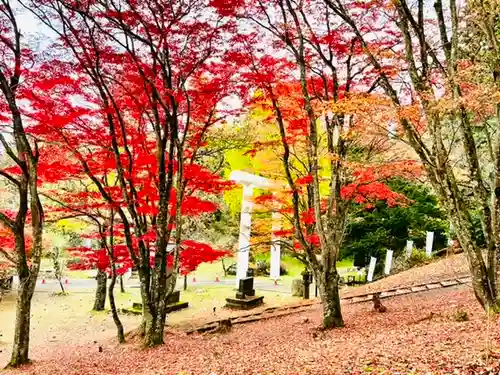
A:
{"points": [[419, 334], [60, 319]]}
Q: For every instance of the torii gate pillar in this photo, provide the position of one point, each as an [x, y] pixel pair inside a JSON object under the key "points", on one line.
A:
{"points": [[249, 182]]}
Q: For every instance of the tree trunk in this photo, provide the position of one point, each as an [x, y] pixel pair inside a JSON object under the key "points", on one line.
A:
{"points": [[329, 294], [224, 269], [20, 351], [148, 320], [122, 287], [100, 294], [61, 285], [116, 318], [155, 320], [483, 282], [153, 331]]}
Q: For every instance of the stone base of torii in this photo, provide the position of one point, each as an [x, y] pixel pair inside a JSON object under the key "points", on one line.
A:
{"points": [[250, 182]]}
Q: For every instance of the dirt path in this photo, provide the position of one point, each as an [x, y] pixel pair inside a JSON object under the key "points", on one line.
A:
{"points": [[57, 320]]}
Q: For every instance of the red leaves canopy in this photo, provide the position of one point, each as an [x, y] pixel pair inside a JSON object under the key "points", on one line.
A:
{"points": [[192, 254]]}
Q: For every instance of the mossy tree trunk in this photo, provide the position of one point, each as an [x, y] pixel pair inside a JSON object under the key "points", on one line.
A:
{"points": [[100, 293]]}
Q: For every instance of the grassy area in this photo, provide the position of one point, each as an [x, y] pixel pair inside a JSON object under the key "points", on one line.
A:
{"points": [[201, 300], [345, 263], [294, 267], [209, 271]]}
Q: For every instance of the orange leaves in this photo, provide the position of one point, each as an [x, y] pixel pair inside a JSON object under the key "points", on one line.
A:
{"points": [[366, 174]]}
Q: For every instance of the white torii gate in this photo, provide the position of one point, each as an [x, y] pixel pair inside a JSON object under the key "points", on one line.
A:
{"points": [[249, 182]]}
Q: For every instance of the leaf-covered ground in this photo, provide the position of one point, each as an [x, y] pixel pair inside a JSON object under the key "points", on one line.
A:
{"points": [[441, 269], [63, 319], [417, 335]]}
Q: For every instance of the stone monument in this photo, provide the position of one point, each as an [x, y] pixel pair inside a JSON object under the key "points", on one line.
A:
{"points": [[245, 296]]}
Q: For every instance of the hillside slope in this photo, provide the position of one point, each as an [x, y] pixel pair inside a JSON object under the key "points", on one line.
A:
{"points": [[453, 266]]}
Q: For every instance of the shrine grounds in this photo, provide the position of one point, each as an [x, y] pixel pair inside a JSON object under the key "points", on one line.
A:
{"points": [[436, 332], [59, 319], [419, 334]]}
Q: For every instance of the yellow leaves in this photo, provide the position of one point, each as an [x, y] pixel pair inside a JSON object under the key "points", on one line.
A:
{"points": [[71, 225], [259, 113], [233, 199], [332, 157], [237, 159]]}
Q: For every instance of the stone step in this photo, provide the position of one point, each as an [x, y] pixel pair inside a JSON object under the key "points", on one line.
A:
{"points": [[402, 291], [449, 283], [418, 288], [433, 286], [244, 303], [389, 293]]}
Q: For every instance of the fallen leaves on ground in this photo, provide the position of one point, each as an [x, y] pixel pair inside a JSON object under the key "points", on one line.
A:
{"points": [[417, 335], [442, 269]]}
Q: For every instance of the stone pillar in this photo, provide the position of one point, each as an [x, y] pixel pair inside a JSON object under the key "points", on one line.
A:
{"points": [[275, 247], [409, 248], [428, 243], [244, 238], [371, 269], [388, 262]]}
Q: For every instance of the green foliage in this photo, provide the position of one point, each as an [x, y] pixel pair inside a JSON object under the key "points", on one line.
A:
{"points": [[220, 229], [477, 229], [263, 267], [372, 232], [418, 258]]}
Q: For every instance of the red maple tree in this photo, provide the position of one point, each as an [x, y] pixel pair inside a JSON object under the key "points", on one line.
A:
{"points": [[134, 112], [310, 75]]}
